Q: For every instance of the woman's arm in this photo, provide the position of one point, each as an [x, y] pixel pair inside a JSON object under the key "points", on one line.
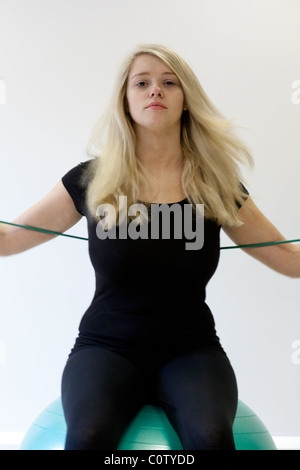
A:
{"points": [[56, 212], [283, 258]]}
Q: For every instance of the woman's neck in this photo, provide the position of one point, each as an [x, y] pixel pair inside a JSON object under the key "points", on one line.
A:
{"points": [[159, 153], [162, 159]]}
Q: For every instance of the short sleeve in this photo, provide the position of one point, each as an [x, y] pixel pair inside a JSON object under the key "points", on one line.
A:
{"points": [[245, 196], [76, 183]]}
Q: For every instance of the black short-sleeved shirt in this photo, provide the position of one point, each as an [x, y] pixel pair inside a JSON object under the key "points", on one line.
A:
{"points": [[149, 296]]}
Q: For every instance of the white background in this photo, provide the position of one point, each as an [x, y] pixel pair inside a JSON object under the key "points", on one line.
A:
{"points": [[58, 60]]}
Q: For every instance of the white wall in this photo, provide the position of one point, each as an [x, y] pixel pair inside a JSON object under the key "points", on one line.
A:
{"points": [[57, 64]]}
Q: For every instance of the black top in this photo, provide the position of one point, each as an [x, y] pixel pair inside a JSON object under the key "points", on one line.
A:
{"points": [[149, 296]]}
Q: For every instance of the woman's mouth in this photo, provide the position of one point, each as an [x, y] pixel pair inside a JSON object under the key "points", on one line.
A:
{"points": [[156, 105]]}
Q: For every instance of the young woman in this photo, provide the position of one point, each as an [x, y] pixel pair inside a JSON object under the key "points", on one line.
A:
{"points": [[148, 335]]}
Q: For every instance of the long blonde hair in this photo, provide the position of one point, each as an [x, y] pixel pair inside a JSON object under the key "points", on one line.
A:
{"points": [[211, 149]]}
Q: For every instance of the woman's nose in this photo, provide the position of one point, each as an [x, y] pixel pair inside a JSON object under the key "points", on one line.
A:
{"points": [[156, 91]]}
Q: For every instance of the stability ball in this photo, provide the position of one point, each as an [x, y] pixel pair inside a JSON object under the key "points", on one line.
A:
{"points": [[149, 430]]}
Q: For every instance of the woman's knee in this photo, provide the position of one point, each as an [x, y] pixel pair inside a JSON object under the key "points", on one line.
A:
{"points": [[91, 436], [211, 436]]}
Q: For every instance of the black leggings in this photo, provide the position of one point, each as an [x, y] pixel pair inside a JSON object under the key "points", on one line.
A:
{"points": [[102, 391]]}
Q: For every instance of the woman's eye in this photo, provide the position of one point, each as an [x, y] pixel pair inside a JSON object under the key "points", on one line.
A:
{"points": [[144, 83]]}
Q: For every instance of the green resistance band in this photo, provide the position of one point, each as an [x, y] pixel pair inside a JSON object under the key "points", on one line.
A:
{"points": [[51, 232], [42, 230]]}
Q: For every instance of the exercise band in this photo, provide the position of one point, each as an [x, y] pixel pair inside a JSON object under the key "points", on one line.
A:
{"points": [[42, 230], [51, 232]]}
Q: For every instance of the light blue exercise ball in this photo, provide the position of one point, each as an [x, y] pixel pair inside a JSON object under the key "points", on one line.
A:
{"points": [[149, 430]]}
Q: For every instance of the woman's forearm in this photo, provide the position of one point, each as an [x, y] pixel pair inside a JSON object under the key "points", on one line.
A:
{"points": [[294, 265], [3, 240]]}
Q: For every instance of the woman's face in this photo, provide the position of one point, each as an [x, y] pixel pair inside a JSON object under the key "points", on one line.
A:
{"points": [[154, 95]]}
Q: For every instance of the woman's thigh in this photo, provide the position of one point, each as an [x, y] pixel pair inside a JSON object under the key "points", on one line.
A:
{"points": [[198, 391], [101, 392]]}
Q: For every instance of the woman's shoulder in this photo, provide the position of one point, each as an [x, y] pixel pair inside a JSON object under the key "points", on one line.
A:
{"points": [[80, 173], [76, 182]]}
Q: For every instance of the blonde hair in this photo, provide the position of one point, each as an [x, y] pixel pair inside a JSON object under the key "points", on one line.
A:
{"points": [[211, 150]]}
